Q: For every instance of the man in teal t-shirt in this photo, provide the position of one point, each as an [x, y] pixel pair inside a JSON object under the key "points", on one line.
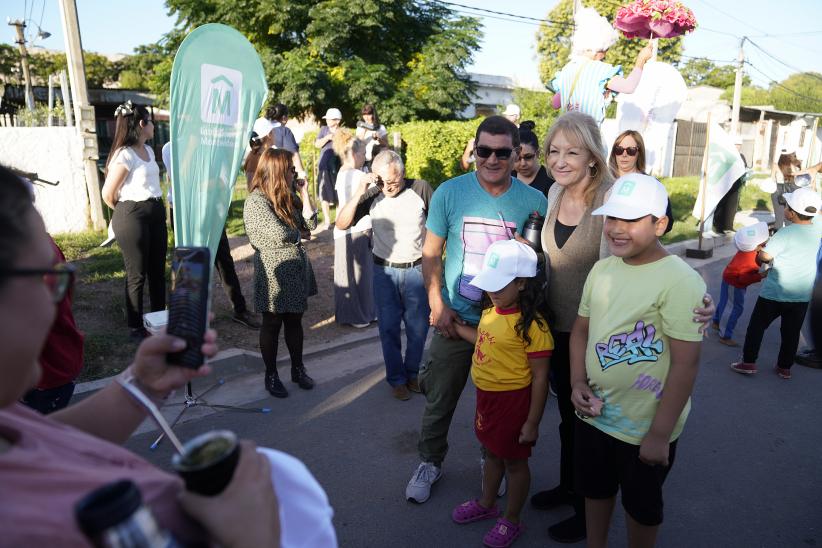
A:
{"points": [[466, 215]]}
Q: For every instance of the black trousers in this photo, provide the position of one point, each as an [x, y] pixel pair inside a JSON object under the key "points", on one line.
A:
{"points": [[764, 313], [726, 208], [140, 228], [561, 369], [228, 274], [224, 264]]}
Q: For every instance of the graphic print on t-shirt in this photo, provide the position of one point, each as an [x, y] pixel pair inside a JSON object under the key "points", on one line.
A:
{"points": [[634, 347], [477, 234]]}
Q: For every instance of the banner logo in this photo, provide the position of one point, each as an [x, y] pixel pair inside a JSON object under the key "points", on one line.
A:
{"points": [[220, 89]]}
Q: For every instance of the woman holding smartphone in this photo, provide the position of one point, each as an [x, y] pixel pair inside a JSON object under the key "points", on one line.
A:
{"points": [[274, 217], [132, 190]]}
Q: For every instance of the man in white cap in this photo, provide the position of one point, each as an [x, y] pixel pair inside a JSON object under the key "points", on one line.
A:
{"points": [[787, 290], [634, 359], [512, 112], [328, 164]]}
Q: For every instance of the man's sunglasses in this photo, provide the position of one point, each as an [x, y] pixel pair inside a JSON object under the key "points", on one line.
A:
{"points": [[58, 279], [619, 151], [486, 152]]}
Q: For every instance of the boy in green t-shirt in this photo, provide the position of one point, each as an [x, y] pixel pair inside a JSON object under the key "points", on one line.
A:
{"points": [[634, 359]]}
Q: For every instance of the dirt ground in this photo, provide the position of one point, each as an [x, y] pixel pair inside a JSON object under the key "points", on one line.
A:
{"points": [[99, 310]]}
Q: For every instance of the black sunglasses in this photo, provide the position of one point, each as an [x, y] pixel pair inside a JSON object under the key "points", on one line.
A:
{"points": [[486, 152], [618, 150], [58, 279]]}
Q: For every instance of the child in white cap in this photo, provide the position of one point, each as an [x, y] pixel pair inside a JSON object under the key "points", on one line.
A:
{"points": [[787, 290], [634, 358], [510, 370], [742, 271]]}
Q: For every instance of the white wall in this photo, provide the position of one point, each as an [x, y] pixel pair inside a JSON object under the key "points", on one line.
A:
{"points": [[55, 154]]}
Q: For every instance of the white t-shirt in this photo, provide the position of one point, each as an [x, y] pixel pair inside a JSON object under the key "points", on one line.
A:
{"points": [[143, 179], [348, 180], [370, 142]]}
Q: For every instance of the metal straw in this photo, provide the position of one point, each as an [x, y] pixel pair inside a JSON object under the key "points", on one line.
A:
{"points": [[138, 395]]}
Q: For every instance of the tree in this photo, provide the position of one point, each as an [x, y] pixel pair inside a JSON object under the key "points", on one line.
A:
{"points": [[801, 92], [99, 70], [9, 61], [407, 57], [554, 40], [703, 72], [533, 104], [751, 96]]}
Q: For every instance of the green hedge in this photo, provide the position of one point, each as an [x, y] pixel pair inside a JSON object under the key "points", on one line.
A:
{"points": [[431, 150]]}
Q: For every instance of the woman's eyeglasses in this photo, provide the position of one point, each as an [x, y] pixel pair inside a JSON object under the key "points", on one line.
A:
{"points": [[619, 151], [527, 157], [58, 279]]}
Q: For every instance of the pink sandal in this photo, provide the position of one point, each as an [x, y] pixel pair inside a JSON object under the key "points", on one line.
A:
{"points": [[471, 511], [503, 534]]}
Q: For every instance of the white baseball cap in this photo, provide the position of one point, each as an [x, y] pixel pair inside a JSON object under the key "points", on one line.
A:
{"points": [[803, 200], [634, 196], [262, 127], [747, 238], [511, 110], [333, 114], [504, 261]]}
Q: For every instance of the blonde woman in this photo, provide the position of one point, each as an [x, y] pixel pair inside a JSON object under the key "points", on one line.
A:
{"points": [[353, 270]]}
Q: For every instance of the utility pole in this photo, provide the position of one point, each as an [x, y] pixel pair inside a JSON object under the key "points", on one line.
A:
{"points": [[24, 61], [83, 111], [738, 88]]}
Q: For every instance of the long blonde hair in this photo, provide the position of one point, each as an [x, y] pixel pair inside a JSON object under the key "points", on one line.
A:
{"points": [[582, 129], [345, 144], [271, 178]]}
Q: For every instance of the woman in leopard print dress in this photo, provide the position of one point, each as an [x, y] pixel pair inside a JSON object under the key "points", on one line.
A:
{"points": [[274, 216]]}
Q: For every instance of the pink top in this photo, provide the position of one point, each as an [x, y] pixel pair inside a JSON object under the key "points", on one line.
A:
{"points": [[50, 466]]}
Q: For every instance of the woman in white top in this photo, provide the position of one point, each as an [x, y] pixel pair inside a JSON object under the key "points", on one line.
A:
{"points": [[353, 270], [132, 190], [372, 133]]}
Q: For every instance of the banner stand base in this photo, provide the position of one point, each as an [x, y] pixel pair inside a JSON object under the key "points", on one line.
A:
{"points": [[699, 253]]}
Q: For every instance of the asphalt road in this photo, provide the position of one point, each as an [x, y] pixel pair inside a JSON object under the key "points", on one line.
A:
{"points": [[748, 471]]}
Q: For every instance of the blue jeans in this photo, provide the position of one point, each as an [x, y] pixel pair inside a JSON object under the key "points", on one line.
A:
{"points": [[400, 297], [738, 302]]}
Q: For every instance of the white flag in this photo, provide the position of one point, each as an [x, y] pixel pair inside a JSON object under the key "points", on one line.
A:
{"points": [[725, 166]]}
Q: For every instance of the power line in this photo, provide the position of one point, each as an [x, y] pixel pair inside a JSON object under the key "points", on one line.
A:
{"points": [[512, 15], [725, 13], [726, 62], [784, 35], [757, 46], [789, 90]]}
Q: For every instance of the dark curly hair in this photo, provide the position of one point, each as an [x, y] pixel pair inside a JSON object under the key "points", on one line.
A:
{"points": [[533, 305]]}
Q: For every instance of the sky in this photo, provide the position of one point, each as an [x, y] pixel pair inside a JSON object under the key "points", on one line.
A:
{"points": [[789, 38]]}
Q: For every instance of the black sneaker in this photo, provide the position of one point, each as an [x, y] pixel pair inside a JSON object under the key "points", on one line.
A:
{"points": [[275, 386], [246, 319], [137, 334], [545, 500], [809, 359], [569, 530], [299, 376]]}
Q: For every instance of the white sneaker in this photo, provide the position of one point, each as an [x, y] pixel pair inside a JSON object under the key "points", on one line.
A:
{"points": [[419, 488], [503, 485]]}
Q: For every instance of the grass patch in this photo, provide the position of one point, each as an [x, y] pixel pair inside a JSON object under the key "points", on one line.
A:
{"points": [[95, 263], [683, 192]]}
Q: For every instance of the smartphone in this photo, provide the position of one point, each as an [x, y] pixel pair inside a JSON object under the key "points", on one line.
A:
{"points": [[188, 305]]}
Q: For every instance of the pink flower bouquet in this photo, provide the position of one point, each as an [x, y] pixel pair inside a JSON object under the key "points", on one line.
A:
{"points": [[654, 19]]}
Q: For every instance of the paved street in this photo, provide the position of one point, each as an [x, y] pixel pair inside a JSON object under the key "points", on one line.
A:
{"points": [[748, 470]]}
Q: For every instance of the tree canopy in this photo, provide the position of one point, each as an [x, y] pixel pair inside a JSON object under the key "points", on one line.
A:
{"points": [[800, 92], [554, 40], [407, 57], [703, 72]]}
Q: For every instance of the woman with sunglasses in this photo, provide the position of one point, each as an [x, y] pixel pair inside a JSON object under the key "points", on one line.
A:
{"points": [[573, 242], [274, 217], [132, 190], [47, 463], [527, 168], [627, 154]]}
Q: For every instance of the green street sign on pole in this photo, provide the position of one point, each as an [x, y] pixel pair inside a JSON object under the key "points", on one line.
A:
{"points": [[217, 89]]}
